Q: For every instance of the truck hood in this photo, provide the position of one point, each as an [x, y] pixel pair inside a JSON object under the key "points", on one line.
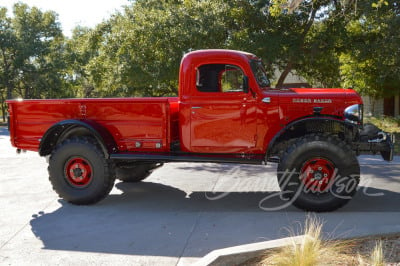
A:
{"points": [[324, 95], [295, 103], [338, 92]]}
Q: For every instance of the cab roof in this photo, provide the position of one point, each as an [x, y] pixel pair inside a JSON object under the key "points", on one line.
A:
{"points": [[220, 54]]}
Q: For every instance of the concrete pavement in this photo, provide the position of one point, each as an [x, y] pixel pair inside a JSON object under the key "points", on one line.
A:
{"points": [[179, 214]]}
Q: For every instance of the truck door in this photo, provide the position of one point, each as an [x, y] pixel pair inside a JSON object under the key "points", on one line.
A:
{"points": [[223, 115]]}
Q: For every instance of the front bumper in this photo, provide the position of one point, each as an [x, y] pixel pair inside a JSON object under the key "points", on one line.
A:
{"points": [[377, 142]]}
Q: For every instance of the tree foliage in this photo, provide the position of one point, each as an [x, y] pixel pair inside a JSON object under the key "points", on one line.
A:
{"points": [[137, 52], [372, 63], [31, 54]]}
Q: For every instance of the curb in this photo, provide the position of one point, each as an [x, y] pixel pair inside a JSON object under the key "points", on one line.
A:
{"points": [[239, 254]]}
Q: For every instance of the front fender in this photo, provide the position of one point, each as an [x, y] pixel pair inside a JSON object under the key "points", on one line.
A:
{"points": [[308, 125]]}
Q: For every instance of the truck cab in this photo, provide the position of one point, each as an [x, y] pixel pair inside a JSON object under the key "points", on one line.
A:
{"points": [[219, 100], [227, 106]]}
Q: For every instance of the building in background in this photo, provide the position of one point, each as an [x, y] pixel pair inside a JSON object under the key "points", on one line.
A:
{"points": [[379, 107]]}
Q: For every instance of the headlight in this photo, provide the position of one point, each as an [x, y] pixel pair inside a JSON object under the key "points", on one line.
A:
{"points": [[354, 114]]}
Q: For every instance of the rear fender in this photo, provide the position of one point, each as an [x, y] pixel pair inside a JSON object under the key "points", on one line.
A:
{"points": [[69, 128]]}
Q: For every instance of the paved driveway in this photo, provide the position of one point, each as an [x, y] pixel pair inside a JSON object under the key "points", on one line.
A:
{"points": [[178, 215]]}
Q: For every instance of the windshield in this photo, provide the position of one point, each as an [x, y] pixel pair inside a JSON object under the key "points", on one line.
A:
{"points": [[259, 73]]}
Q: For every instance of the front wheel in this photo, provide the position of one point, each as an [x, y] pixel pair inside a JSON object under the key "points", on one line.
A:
{"points": [[318, 173], [79, 171]]}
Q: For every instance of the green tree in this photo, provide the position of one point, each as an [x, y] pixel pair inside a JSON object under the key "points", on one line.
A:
{"points": [[138, 51], [7, 56], [39, 43], [80, 51], [141, 48], [31, 53], [372, 63], [349, 44]]}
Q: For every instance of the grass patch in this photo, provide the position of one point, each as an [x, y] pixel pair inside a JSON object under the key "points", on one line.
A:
{"points": [[377, 257], [388, 124], [314, 250]]}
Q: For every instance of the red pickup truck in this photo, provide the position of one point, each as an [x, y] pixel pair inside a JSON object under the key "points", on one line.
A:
{"points": [[226, 112]]}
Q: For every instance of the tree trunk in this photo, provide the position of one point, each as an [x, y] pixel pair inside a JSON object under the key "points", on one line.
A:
{"points": [[3, 107], [284, 74], [291, 61], [3, 110], [9, 92]]}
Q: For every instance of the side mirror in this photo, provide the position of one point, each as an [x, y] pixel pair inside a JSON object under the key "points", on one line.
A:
{"points": [[246, 84]]}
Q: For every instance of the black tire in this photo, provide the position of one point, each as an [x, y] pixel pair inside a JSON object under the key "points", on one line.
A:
{"points": [[136, 172], [318, 173], [79, 171]]}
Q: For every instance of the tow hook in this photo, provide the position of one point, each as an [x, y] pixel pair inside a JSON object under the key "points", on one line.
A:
{"points": [[374, 140], [381, 136]]}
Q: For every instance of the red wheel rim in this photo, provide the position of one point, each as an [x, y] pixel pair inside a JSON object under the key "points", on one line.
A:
{"points": [[78, 172], [317, 174]]}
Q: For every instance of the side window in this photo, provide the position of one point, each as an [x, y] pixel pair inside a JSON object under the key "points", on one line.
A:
{"points": [[232, 79], [219, 78]]}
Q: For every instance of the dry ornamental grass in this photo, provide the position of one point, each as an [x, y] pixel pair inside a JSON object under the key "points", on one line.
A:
{"points": [[313, 250]]}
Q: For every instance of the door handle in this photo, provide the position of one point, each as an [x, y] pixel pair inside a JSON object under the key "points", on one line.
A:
{"points": [[266, 100], [196, 107]]}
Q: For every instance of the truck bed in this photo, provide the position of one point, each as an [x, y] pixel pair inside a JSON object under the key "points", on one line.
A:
{"points": [[140, 124]]}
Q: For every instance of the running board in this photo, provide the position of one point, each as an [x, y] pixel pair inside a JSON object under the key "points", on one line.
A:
{"points": [[205, 158]]}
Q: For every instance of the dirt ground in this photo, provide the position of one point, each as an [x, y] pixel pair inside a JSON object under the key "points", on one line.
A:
{"points": [[390, 244]]}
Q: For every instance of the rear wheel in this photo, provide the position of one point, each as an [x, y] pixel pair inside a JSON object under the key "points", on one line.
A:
{"points": [[136, 172], [319, 173], [79, 171]]}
